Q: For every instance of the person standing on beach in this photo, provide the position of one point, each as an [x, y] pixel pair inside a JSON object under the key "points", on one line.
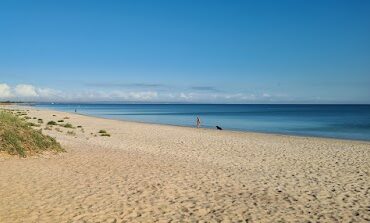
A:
{"points": [[198, 122]]}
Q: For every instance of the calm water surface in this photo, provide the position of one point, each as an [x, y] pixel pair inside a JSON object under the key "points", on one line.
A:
{"points": [[337, 121]]}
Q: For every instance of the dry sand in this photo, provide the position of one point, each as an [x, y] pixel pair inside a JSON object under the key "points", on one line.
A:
{"points": [[157, 173]]}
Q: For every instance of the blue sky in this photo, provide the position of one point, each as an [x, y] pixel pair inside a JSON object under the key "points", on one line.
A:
{"points": [[185, 51]]}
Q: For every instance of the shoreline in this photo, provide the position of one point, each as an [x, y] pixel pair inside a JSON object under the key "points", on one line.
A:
{"points": [[211, 129], [161, 173]]}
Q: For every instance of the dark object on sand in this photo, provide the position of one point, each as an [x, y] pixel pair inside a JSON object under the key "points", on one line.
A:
{"points": [[218, 127]]}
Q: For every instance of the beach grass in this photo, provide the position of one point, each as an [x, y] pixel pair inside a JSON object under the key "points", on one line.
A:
{"points": [[105, 134], [51, 123], [17, 137], [33, 124], [68, 125]]}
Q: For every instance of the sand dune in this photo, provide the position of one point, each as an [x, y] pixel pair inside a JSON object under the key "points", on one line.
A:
{"points": [[157, 173]]}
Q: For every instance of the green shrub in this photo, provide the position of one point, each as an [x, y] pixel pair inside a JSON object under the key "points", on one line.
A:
{"points": [[51, 123], [68, 125], [105, 134], [33, 124], [102, 131]]}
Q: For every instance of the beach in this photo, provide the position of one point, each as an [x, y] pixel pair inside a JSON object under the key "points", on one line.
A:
{"points": [[160, 173]]}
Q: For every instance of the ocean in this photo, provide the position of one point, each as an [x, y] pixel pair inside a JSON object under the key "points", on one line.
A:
{"points": [[334, 121]]}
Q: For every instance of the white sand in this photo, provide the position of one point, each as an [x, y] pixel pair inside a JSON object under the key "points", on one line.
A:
{"points": [[157, 173]]}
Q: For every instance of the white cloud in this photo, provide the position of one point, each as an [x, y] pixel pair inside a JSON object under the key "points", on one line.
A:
{"points": [[5, 91], [29, 92], [150, 95], [48, 93], [117, 95], [133, 95], [26, 90], [205, 97]]}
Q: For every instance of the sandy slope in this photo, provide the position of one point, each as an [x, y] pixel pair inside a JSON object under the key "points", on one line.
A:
{"points": [[156, 173]]}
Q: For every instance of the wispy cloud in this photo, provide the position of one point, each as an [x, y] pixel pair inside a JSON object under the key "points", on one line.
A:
{"points": [[33, 93], [198, 94], [117, 85], [205, 88]]}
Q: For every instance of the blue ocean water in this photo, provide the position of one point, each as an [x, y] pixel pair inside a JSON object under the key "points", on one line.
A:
{"points": [[336, 121]]}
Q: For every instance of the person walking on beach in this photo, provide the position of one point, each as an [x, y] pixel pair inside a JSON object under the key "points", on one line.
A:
{"points": [[198, 122]]}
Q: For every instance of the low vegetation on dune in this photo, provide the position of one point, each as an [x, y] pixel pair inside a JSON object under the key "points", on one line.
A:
{"points": [[33, 124], [68, 125], [103, 132], [20, 113], [17, 137], [51, 123]]}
